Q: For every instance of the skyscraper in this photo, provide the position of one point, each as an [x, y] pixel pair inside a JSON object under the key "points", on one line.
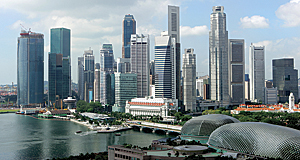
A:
{"points": [[123, 65], [125, 89], [81, 78], [256, 72], [106, 68], [218, 57], [129, 27], [189, 79], [285, 78], [152, 72], [140, 56], [165, 66], [97, 83], [236, 50], [30, 65], [174, 32], [59, 68], [89, 75]]}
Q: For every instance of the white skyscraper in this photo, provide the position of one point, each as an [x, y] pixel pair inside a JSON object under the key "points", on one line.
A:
{"points": [[189, 79], [174, 32], [218, 57], [173, 23], [236, 50], [165, 66], [256, 72], [97, 83], [139, 57]]}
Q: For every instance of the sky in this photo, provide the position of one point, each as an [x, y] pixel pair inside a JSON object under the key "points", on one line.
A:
{"points": [[276, 25]]}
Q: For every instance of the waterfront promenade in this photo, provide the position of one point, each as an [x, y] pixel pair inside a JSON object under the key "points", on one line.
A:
{"points": [[166, 127]]}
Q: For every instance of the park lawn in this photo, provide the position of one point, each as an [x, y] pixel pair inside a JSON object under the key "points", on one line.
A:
{"points": [[9, 110]]}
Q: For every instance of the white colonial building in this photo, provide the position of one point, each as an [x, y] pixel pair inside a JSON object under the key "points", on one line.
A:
{"points": [[151, 106]]}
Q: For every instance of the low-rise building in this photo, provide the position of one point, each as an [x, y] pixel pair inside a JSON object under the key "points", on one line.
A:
{"points": [[270, 95], [151, 106]]}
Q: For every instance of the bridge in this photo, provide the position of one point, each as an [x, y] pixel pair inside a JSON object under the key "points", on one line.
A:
{"points": [[156, 127]]}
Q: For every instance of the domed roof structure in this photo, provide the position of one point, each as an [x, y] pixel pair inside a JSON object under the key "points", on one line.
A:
{"points": [[201, 127], [257, 138]]}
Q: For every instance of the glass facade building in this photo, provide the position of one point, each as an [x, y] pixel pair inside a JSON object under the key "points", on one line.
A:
{"points": [[218, 57], [129, 27], [81, 78], [89, 74], [236, 51], [125, 88], [106, 68], [259, 139], [285, 78], [165, 67], [30, 68], [59, 65]]}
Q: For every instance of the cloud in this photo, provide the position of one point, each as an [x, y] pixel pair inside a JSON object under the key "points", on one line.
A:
{"points": [[92, 23], [290, 13], [255, 21], [195, 31]]}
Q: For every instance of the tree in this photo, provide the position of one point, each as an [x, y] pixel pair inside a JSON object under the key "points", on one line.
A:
{"points": [[177, 154], [169, 154], [178, 115]]}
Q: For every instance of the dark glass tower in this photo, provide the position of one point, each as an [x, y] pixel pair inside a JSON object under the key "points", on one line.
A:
{"points": [[30, 61], [59, 65], [106, 69], [285, 78], [129, 27]]}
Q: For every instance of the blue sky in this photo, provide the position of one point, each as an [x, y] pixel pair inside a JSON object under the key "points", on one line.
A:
{"points": [[274, 24]]}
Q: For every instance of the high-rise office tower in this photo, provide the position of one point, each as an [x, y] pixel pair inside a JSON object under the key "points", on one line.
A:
{"points": [[189, 79], [218, 57], [285, 78], [152, 72], [256, 72], [123, 65], [59, 65], [30, 66], [97, 83], [247, 87], [174, 32], [89, 75], [129, 27], [81, 78], [139, 58], [106, 68], [125, 89], [165, 66], [236, 51]]}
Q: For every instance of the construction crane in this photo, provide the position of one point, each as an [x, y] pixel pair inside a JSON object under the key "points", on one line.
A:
{"points": [[24, 28]]}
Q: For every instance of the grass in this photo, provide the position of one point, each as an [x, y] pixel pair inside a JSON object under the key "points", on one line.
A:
{"points": [[9, 110]]}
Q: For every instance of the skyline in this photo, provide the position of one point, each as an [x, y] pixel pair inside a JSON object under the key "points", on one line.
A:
{"points": [[274, 25]]}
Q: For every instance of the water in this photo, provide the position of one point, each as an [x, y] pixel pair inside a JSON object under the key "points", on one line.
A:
{"points": [[25, 137]]}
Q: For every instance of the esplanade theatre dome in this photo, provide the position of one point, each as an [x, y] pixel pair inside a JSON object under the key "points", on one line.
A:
{"points": [[257, 138], [200, 128]]}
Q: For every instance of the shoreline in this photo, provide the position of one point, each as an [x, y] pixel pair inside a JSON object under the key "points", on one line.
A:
{"points": [[102, 129]]}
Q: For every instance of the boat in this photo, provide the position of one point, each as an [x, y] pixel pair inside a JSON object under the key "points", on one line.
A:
{"points": [[118, 134], [78, 131]]}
